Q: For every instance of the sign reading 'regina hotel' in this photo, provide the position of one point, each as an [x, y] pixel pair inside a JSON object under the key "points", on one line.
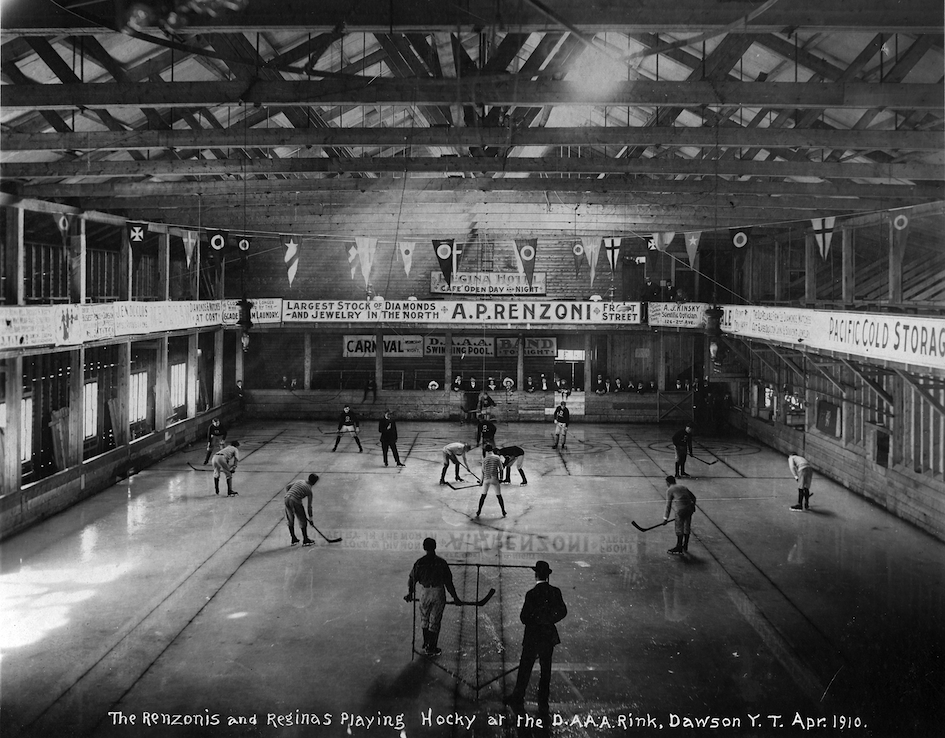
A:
{"points": [[487, 283]]}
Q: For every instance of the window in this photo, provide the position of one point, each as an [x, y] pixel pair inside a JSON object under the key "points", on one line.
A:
{"points": [[90, 409], [178, 385], [138, 398]]}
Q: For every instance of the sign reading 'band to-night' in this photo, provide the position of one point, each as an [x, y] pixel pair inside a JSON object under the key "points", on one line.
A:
{"points": [[459, 312]]}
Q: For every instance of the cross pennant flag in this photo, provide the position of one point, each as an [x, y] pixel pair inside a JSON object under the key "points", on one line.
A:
{"points": [[612, 249], [406, 253], [661, 241], [137, 232], [291, 257], [448, 254], [592, 252], [823, 233], [526, 249], [692, 246], [189, 239], [740, 237]]}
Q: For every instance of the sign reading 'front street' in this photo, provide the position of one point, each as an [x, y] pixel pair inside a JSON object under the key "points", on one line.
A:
{"points": [[462, 312]]}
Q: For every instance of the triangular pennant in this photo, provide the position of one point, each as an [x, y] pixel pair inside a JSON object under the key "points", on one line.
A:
{"points": [[578, 250], [218, 240], [190, 243], [354, 261], [692, 246], [137, 232], [291, 257], [527, 249], [660, 241], [612, 249], [244, 243], [740, 236], [64, 224], [367, 248], [900, 232], [444, 255], [823, 233], [591, 251], [406, 253], [458, 251]]}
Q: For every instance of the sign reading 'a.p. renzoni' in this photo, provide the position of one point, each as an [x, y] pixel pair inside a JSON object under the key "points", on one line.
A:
{"points": [[462, 312]]}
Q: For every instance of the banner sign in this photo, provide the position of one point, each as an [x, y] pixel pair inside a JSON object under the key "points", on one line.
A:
{"points": [[677, 314], [461, 346], [902, 338], [456, 313], [98, 321], [487, 283], [361, 346], [545, 347], [265, 310]]}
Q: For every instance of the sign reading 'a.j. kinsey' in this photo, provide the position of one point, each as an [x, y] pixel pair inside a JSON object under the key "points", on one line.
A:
{"points": [[458, 313], [487, 283]]}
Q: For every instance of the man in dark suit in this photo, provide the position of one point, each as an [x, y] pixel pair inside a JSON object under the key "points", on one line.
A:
{"points": [[544, 606]]}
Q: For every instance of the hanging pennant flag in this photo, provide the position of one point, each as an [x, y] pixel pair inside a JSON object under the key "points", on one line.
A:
{"points": [[190, 243], [900, 233], [612, 249], [137, 232], [592, 251], [458, 251], [406, 253], [291, 257], [354, 261], [218, 240], [244, 243], [367, 248], [578, 251], [740, 237], [823, 233], [444, 255], [526, 249], [661, 241], [692, 246]]}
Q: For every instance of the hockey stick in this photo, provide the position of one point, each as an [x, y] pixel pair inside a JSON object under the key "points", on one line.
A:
{"points": [[476, 603], [707, 463], [478, 480], [197, 468], [658, 525], [330, 540]]}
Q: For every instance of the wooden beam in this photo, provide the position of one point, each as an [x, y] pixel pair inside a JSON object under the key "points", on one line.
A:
{"points": [[664, 136], [505, 90], [476, 164], [871, 383], [923, 391]]}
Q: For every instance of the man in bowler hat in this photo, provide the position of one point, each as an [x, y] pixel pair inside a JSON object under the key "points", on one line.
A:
{"points": [[544, 606]]}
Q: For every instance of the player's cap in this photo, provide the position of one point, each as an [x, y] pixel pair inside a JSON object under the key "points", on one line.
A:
{"points": [[541, 568]]}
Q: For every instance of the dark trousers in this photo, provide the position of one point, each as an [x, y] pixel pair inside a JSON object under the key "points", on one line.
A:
{"points": [[530, 652], [389, 445]]}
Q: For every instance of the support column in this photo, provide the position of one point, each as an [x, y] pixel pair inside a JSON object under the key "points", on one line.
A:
{"points": [[778, 272], [307, 360], [11, 468], [448, 362], [218, 367], [74, 434], [379, 358], [239, 364], [849, 266], [77, 271], [191, 375], [15, 267], [895, 265], [161, 399], [588, 348], [164, 266], [118, 407], [810, 269], [125, 267], [520, 364]]}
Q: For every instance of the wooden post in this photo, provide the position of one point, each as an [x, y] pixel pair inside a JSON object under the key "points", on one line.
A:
{"points": [[74, 433], [810, 269], [895, 265], [11, 467], [161, 399], [125, 267], [164, 266], [849, 265], [118, 407], [448, 363], [191, 374], [15, 267], [307, 360], [379, 358], [77, 270], [778, 272], [218, 367], [588, 349], [520, 364]]}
